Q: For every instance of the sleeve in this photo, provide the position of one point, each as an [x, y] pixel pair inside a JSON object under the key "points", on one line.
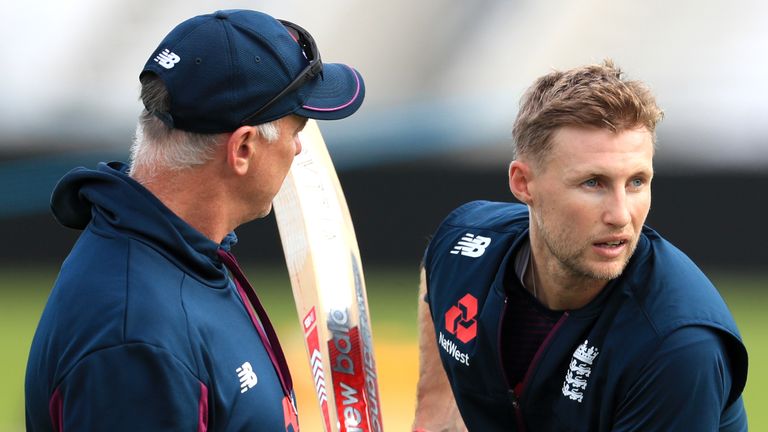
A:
{"points": [[684, 387], [131, 387]]}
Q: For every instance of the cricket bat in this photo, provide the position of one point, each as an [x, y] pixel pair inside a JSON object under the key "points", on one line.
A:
{"points": [[326, 275]]}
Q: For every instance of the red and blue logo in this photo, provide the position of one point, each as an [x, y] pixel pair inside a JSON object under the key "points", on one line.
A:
{"points": [[460, 319]]}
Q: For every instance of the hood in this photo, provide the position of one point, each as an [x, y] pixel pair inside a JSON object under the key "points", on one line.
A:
{"points": [[114, 202]]}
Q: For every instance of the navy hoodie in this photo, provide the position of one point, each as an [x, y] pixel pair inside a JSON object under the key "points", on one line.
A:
{"points": [[144, 329]]}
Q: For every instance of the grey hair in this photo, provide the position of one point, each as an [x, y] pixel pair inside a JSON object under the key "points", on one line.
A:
{"points": [[156, 144]]}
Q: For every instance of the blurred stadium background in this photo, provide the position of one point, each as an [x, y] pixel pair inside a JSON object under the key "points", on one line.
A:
{"points": [[443, 80]]}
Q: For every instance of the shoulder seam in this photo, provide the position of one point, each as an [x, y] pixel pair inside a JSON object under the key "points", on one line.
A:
{"points": [[58, 382]]}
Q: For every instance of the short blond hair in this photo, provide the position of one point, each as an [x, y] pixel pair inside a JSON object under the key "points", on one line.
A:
{"points": [[589, 96]]}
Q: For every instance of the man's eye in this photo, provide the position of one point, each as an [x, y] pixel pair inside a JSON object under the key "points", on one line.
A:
{"points": [[591, 183], [637, 183]]}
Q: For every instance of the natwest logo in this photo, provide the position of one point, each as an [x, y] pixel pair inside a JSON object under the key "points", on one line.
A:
{"points": [[460, 319]]}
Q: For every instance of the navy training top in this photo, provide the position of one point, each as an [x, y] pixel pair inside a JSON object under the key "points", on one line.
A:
{"points": [[656, 350]]}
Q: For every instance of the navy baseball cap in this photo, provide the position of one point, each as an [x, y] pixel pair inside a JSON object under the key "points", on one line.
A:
{"points": [[241, 67]]}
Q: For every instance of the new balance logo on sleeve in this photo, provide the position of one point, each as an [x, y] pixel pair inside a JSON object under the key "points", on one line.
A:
{"points": [[471, 245], [247, 377], [167, 59]]}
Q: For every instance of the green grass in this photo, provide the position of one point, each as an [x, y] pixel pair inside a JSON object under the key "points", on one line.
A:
{"points": [[392, 301], [22, 296], [747, 297]]}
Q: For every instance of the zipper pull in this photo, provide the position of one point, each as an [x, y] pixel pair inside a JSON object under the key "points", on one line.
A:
{"points": [[513, 399]]}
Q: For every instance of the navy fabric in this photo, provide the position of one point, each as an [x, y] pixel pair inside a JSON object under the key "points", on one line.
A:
{"points": [[661, 328], [222, 67], [144, 329]]}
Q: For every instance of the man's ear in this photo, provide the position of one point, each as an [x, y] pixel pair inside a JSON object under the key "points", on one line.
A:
{"points": [[241, 146], [520, 177]]}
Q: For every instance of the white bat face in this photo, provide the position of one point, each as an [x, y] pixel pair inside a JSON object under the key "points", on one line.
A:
{"points": [[323, 261]]}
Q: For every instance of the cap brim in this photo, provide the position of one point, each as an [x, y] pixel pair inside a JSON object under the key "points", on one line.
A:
{"points": [[338, 94]]}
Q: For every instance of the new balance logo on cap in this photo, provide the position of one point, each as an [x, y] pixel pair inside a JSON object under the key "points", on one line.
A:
{"points": [[471, 245], [167, 59], [247, 377]]}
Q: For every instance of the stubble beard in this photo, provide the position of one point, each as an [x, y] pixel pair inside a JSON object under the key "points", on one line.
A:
{"points": [[570, 256]]}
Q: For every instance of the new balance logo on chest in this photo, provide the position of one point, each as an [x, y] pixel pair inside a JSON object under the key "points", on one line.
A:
{"points": [[471, 245], [247, 377]]}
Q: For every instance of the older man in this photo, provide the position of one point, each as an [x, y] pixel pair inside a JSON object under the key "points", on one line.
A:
{"points": [[144, 329]]}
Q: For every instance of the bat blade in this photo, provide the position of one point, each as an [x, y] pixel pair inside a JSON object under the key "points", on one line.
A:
{"points": [[326, 275]]}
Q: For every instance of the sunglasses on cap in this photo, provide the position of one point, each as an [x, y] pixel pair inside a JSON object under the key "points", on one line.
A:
{"points": [[313, 69]]}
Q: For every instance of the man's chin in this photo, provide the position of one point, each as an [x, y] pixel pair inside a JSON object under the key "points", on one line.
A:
{"points": [[261, 214], [265, 212], [607, 270]]}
